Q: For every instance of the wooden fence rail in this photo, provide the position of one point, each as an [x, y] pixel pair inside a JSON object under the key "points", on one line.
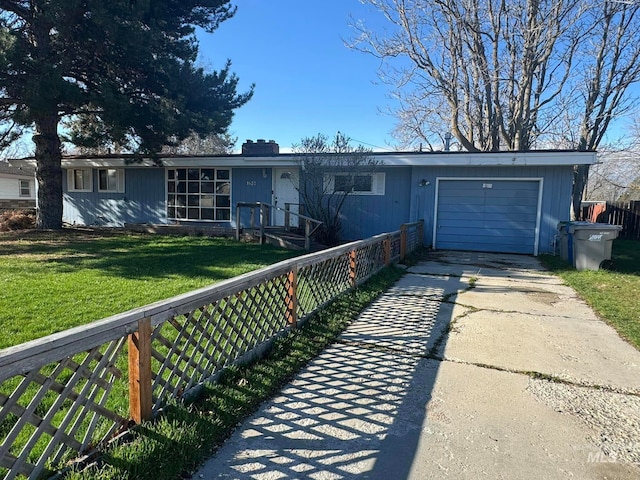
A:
{"points": [[58, 394], [625, 214]]}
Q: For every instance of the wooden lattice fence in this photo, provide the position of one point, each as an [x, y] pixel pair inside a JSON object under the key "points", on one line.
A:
{"points": [[57, 393]]}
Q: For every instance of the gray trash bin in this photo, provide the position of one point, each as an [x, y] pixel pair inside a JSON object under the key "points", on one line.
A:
{"points": [[591, 243]]}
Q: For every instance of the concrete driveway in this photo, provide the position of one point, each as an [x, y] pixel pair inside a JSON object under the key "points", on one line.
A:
{"points": [[471, 366]]}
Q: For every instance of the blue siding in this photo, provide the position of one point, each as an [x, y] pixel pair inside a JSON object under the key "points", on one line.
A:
{"points": [[556, 194], [367, 215], [249, 185], [143, 200]]}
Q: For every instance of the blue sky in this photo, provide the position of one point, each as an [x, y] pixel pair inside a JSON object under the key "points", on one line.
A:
{"points": [[307, 80]]}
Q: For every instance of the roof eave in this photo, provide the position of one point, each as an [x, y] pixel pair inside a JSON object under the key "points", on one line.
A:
{"points": [[450, 159], [486, 159]]}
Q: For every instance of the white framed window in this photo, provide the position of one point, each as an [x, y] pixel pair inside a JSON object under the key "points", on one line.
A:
{"points": [[79, 180], [25, 188], [357, 183], [111, 180], [199, 194]]}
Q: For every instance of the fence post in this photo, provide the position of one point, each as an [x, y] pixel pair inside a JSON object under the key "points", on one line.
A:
{"points": [[352, 268], [140, 394], [386, 243], [420, 233], [291, 300], [403, 241]]}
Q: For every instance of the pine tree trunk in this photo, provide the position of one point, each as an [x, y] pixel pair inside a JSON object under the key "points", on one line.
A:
{"points": [[48, 173]]}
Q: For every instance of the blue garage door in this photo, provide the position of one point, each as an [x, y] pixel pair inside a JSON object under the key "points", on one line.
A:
{"points": [[487, 215]]}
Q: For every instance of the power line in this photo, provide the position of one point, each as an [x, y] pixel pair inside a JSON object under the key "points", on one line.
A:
{"points": [[374, 146]]}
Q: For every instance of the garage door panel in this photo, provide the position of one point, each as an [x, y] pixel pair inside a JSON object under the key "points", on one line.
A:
{"points": [[473, 227], [479, 193], [486, 240], [494, 188], [477, 207], [487, 202], [487, 215], [490, 212], [513, 230], [468, 193], [490, 247], [512, 201]]}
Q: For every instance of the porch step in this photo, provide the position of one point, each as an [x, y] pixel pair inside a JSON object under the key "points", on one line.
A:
{"points": [[277, 236]]}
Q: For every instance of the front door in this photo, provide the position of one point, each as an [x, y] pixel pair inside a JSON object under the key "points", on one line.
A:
{"points": [[285, 191]]}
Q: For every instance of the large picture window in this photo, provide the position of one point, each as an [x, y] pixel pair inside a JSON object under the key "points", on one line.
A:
{"points": [[199, 194]]}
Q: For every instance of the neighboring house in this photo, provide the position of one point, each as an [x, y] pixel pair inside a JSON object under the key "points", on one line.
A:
{"points": [[17, 187], [499, 202]]}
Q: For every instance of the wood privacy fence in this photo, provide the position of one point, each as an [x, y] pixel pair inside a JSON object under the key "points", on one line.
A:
{"points": [[61, 396], [625, 214]]}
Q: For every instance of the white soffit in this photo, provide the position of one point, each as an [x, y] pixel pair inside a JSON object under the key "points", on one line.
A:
{"points": [[546, 158]]}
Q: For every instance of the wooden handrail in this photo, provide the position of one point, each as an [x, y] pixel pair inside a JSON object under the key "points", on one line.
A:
{"points": [[258, 204], [308, 221]]}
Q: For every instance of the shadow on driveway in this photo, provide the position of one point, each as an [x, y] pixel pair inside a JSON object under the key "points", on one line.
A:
{"points": [[357, 410], [471, 366]]}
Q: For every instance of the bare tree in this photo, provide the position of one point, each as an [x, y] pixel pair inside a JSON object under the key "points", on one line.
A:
{"points": [[10, 144], [613, 177], [611, 63], [331, 170], [486, 70], [632, 192], [510, 75]]}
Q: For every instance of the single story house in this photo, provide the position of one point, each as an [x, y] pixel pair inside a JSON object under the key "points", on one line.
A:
{"points": [[495, 201], [17, 187]]}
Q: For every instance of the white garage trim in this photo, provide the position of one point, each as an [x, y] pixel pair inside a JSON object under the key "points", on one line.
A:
{"points": [[540, 181]]}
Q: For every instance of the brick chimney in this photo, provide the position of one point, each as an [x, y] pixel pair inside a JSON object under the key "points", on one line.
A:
{"points": [[260, 148]]}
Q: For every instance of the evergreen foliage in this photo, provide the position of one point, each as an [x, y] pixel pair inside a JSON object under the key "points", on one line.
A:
{"points": [[121, 72]]}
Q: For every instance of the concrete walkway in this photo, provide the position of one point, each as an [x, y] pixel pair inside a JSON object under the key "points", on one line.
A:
{"points": [[471, 366]]}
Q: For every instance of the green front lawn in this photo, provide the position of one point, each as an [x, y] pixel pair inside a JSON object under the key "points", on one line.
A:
{"points": [[54, 282], [50, 282], [613, 293]]}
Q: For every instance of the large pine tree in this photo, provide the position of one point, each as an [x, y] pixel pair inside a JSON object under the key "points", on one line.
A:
{"points": [[119, 71]]}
